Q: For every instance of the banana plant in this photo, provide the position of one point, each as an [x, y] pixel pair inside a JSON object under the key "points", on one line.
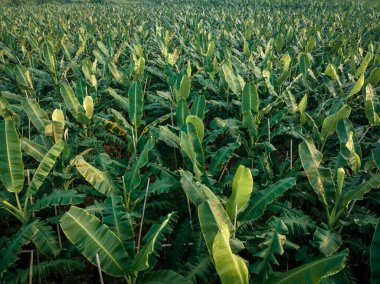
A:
{"points": [[18, 200]]}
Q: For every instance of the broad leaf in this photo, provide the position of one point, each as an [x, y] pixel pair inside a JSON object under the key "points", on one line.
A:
{"points": [[11, 165], [90, 237]]}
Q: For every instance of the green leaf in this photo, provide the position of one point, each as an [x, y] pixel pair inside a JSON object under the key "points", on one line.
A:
{"points": [[100, 180], [319, 178], [184, 89], [375, 255], [57, 197], [357, 87], [48, 55], [230, 267], [43, 236], [117, 218], [11, 165], [182, 112], [327, 241], [364, 64], [197, 192], [191, 145], [33, 149], [164, 277], [198, 107], [370, 111], [90, 237], [250, 98], [122, 101], [222, 156], [198, 124], [212, 217], [232, 80], [312, 272], [331, 72], [132, 178], [304, 63], [9, 253], [242, 185], [71, 101], [45, 166], [141, 261], [357, 193], [262, 198], [136, 103], [374, 77], [330, 122], [35, 113]]}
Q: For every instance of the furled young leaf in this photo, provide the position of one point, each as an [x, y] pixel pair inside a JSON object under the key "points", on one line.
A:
{"points": [[11, 165], [91, 237], [262, 198], [312, 272], [230, 267], [242, 186], [136, 103]]}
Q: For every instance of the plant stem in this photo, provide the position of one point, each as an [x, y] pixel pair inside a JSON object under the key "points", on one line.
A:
{"points": [[142, 216]]}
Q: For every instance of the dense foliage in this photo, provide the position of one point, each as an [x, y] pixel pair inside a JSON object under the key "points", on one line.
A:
{"points": [[190, 142]]}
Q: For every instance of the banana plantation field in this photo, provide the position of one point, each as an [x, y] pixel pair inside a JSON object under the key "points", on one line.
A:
{"points": [[190, 142]]}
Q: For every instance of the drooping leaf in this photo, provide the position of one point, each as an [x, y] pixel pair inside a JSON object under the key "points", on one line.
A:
{"points": [[100, 180], [262, 198], [45, 166], [33, 149], [222, 156], [198, 107], [35, 113], [71, 101], [90, 237], [44, 238], [312, 272], [327, 241], [141, 260], [370, 111], [319, 178], [164, 277]]}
